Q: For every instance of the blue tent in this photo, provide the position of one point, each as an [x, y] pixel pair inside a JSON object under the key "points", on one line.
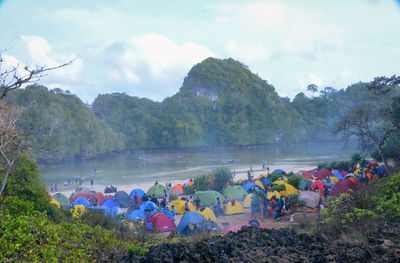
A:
{"points": [[81, 201], [338, 175], [110, 203], [148, 205], [265, 181], [115, 211], [103, 208], [248, 186], [279, 171], [136, 215], [196, 220], [139, 192]]}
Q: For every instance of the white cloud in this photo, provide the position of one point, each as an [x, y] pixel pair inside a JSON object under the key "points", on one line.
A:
{"points": [[314, 79]]}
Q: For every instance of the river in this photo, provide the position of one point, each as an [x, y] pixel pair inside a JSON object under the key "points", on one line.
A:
{"points": [[168, 165]]}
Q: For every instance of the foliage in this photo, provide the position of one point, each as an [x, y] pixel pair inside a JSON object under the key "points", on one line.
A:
{"points": [[278, 187], [322, 165], [371, 205], [201, 182], [295, 180], [24, 183], [221, 177], [275, 176], [172, 198]]}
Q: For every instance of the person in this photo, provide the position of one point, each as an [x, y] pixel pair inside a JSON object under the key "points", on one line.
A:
{"points": [[55, 187], [166, 198], [248, 176], [187, 205], [219, 207], [169, 185], [173, 210], [65, 184], [156, 183], [91, 182], [197, 202], [154, 199], [136, 199], [321, 205], [265, 207], [254, 205]]}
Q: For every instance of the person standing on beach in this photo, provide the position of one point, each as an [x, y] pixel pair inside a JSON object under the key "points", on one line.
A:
{"points": [[166, 198]]}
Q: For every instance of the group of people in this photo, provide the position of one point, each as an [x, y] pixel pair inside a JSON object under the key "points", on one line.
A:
{"points": [[269, 208]]}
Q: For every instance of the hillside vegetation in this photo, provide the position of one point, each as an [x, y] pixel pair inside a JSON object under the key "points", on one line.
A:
{"points": [[220, 103]]}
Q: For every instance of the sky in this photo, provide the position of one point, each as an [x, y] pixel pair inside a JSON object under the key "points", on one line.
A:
{"points": [[146, 48]]}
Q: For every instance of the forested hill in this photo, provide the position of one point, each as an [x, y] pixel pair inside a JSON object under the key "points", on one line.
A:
{"points": [[221, 102]]}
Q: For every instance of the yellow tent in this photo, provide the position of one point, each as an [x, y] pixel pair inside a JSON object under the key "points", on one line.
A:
{"points": [[180, 206], [334, 179], [208, 214], [231, 209], [247, 200], [356, 172], [289, 190], [274, 193], [259, 183], [78, 210], [55, 203], [262, 176]]}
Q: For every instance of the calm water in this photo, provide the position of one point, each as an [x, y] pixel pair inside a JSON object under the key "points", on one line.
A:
{"points": [[164, 165]]}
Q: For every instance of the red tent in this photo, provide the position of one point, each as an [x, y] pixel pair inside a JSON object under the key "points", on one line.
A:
{"points": [[344, 173], [373, 163], [354, 183], [307, 175], [100, 198], [319, 185], [86, 196], [323, 173], [341, 187], [161, 222]]}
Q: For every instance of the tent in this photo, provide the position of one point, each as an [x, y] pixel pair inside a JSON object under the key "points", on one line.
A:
{"points": [[289, 190], [192, 222], [180, 206], [333, 179], [344, 173], [110, 203], [208, 197], [311, 198], [72, 197], [55, 202], [357, 171], [78, 210], [265, 181], [233, 208], [349, 176], [136, 215], [176, 190], [305, 184], [160, 222], [308, 175], [81, 201], [236, 192], [164, 211], [115, 211], [354, 183], [271, 194], [259, 183], [338, 175], [61, 199], [340, 187], [319, 185], [321, 174], [123, 199], [247, 201], [228, 229], [84, 195], [148, 205], [139, 192], [157, 190], [248, 186], [99, 197], [207, 213], [84, 190], [278, 171], [282, 180]]}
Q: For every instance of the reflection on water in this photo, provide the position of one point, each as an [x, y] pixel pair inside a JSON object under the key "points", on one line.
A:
{"points": [[163, 165]]}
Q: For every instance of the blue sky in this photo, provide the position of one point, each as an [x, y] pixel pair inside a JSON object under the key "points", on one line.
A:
{"points": [[145, 48]]}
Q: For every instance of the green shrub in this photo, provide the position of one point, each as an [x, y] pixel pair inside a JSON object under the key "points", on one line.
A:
{"points": [[172, 198], [201, 183], [277, 187], [295, 180], [221, 176], [275, 176], [322, 165]]}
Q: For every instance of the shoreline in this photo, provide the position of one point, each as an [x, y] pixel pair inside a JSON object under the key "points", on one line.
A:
{"points": [[241, 174]]}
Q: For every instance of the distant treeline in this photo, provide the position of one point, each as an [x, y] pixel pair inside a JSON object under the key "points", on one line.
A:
{"points": [[220, 103]]}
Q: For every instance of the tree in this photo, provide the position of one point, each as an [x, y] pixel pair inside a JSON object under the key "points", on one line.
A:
{"points": [[15, 77], [312, 88], [12, 140], [363, 122]]}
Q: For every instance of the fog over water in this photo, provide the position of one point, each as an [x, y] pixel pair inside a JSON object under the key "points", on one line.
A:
{"points": [[165, 165]]}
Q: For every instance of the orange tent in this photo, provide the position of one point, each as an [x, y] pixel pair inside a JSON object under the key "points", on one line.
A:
{"points": [[176, 190]]}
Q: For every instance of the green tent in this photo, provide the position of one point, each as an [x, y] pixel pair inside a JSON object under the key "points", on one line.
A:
{"points": [[61, 199], [157, 190], [236, 192], [305, 184], [208, 197]]}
